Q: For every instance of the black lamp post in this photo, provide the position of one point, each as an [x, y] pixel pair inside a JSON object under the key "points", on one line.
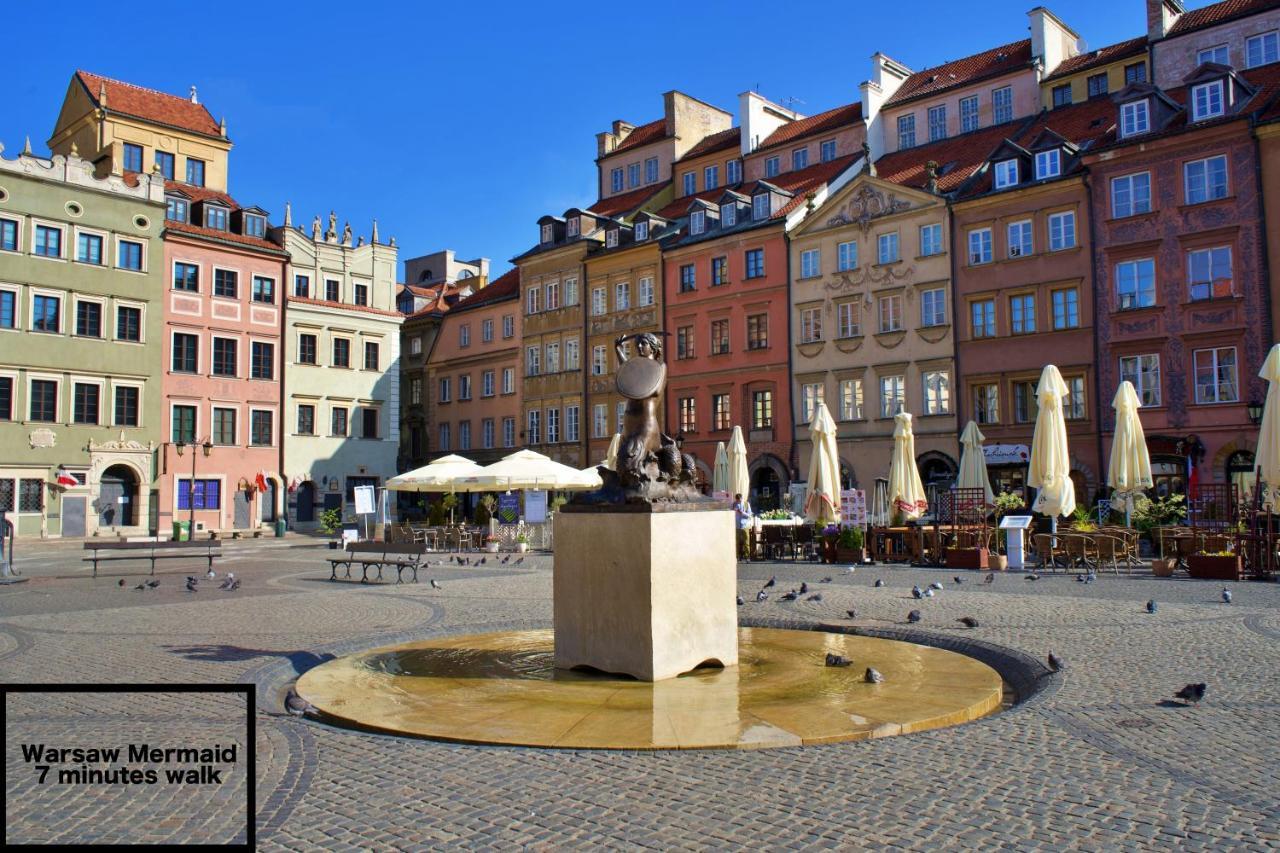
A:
{"points": [[207, 447], [1255, 412]]}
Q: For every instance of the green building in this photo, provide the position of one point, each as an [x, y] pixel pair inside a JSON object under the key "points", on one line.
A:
{"points": [[81, 327]]}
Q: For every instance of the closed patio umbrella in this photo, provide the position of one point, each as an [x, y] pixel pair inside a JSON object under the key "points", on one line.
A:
{"points": [[720, 473], [822, 499], [739, 476], [1267, 459], [973, 463], [1050, 469], [906, 492], [1129, 471]]}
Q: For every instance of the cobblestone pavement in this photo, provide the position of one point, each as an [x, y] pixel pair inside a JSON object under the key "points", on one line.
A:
{"points": [[1099, 761]]}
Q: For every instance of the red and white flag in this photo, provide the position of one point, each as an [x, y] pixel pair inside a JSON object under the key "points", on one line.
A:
{"points": [[65, 479]]}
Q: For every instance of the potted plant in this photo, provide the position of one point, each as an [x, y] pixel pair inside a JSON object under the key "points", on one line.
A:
{"points": [[966, 558], [330, 523], [850, 545], [1148, 515], [522, 543], [1215, 565], [828, 536], [484, 510], [491, 543]]}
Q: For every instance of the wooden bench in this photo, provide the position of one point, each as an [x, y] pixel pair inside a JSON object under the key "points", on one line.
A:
{"points": [[151, 551], [402, 556]]}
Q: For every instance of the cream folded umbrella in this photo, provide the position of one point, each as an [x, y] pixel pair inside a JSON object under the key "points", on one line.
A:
{"points": [[720, 473], [739, 476], [611, 458], [1050, 469], [822, 498], [973, 463], [526, 469], [439, 475], [1267, 459], [1129, 472], [906, 492]]}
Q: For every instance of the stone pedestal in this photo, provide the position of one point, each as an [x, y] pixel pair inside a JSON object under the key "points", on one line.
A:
{"points": [[649, 594]]}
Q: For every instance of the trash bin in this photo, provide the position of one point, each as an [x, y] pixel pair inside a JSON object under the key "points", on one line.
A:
{"points": [[279, 528], [182, 531]]}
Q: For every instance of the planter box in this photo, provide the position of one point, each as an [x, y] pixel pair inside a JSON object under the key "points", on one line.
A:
{"points": [[1214, 568], [851, 555], [1163, 568], [999, 562], [492, 547], [967, 558]]}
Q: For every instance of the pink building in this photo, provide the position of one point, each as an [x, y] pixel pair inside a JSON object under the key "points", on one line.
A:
{"points": [[222, 370]]}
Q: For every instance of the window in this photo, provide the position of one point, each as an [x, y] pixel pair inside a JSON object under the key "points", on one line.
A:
{"points": [[341, 352], [224, 357], [720, 412], [195, 172], [1066, 309], [44, 400], [1025, 404], [126, 407], [599, 420], [531, 301], [1206, 100], [690, 183], [1022, 314], [166, 162], [1135, 73], [307, 349], [892, 395], [711, 177], [415, 391], [684, 342], [224, 426], [1019, 234], [887, 248], [811, 394], [486, 331], [890, 313], [175, 208], [1136, 284], [207, 495], [762, 409], [361, 294], [84, 403], [132, 157], [755, 263], [443, 440], [1062, 231], [88, 249], [8, 235], [508, 326], [729, 214], [633, 175], [486, 433], [615, 180], [906, 131], [1217, 53], [262, 360], [1062, 95], [570, 291], [184, 424], [847, 256], [933, 307], [642, 231], [534, 427], [508, 432], [980, 246], [651, 170], [968, 113], [532, 360], [1262, 49], [983, 312], [719, 337], [611, 238], [306, 420], [1134, 118], [264, 290], [986, 403], [1144, 372], [1131, 195], [8, 309], [1209, 273], [1002, 105], [697, 222], [1097, 85], [1205, 180], [225, 283], [552, 296], [599, 301], [810, 325], [215, 217], [338, 422], [850, 399], [772, 167], [1006, 173], [760, 207], [938, 122], [552, 358], [571, 354], [937, 392], [757, 331], [1073, 405], [186, 277], [810, 263], [255, 225], [546, 233], [849, 318], [688, 278], [1048, 163], [185, 353], [733, 171], [645, 286], [128, 324], [332, 290], [88, 319], [931, 239], [369, 422], [827, 150], [688, 414], [49, 242], [446, 390], [464, 335], [1216, 375], [799, 159], [46, 314]]}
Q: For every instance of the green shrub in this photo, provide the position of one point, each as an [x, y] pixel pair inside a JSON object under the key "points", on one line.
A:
{"points": [[851, 538], [331, 521]]}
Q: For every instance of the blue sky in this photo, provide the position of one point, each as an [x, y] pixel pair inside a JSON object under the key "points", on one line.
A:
{"points": [[457, 125]]}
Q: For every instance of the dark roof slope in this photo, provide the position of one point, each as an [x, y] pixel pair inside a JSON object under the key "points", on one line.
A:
{"points": [[960, 72]]}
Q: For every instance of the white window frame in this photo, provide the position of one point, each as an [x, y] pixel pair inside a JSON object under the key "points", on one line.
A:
{"points": [[810, 263], [889, 238], [599, 360], [729, 214], [533, 360], [847, 255], [1209, 250], [827, 150], [710, 177], [851, 400], [599, 301], [509, 432], [772, 167], [1195, 378], [642, 231], [531, 300], [970, 114], [546, 232], [572, 226], [939, 318], [1135, 118], [760, 207], [845, 314], [1048, 164], [937, 121], [508, 380], [733, 171], [646, 291], [1262, 40], [1208, 100], [697, 222], [906, 127], [1128, 181], [1137, 296], [1210, 54], [933, 245], [897, 384], [486, 330], [984, 243], [621, 295], [937, 400], [1003, 94], [611, 238], [600, 420], [810, 325], [551, 357], [550, 295], [571, 354], [1065, 224], [1025, 245], [895, 316], [1006, 173], [508, 326], [1207, 188]]}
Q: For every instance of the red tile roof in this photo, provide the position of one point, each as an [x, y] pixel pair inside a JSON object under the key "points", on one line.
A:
{"points": [[199, 193], [1101, 56], [990, 63], [642, 135], [680, 206], [824, 122], [730, 138], [505, 286], [620, 205], [223, 236], [958, 157], [150, 105], [809, 180], [1218, 13], [363, 309]]}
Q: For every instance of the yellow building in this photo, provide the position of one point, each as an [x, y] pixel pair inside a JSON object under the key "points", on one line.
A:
{"points": [[101, 120], [1095, 73]]}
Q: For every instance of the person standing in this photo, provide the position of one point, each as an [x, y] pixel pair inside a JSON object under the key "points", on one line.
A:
{"points": [[742, 512]]}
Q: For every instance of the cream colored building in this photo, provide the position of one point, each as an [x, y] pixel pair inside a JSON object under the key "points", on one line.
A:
{"points": [[341, 366]]}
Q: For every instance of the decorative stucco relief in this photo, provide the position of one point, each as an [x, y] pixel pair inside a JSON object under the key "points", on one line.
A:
{"points": [[866, 204]]}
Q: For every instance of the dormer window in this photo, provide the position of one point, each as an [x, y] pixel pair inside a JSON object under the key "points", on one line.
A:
{"points": [[571, 228], [546, 233], [1135, 118], [697, 222], [611, 238], [215, 217], [729, 214], [1048, 164], [1206, 100], [760, 207], [175, 208], [1006, 173], [255, 225], [642, 231]]}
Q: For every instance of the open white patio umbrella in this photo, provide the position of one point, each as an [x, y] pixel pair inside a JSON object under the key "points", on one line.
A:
{"points": [[1267, 459], [1129, 471], [591, 476], [973, 463], [1050, 469], [739, 476], [526, 469], [611, 458], [822, 498], [439, 475], [720, 473], [906, 492]]}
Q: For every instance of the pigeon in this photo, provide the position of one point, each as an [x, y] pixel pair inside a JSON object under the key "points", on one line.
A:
{"points": [[226, 584], [917, 592], [817, 596], [1055, 662], [837, 660], [1091, 577], [989, 579], [740, 601], [913, 617], [853, 614], [1191, 694], [141, 586], [212, 574], [235, 584], [519, 561], [1033, 577], [936, 585], [153, 583], [879, 582], [761, 595], [191, 585], [121, 583], [873, 676], [1226, 595], [804, 587], [482, 561], [852, 569], [297, 706], [790, 596], [827, 579], [1080, 579], [928, 593], [1151, 606], [771, 582], [959, 580], [968, 621], [435, 584]]}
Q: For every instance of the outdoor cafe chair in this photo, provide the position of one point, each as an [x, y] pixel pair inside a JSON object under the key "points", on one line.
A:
{"points": [[1110, 548], [1080, 550], [1043, 545]]}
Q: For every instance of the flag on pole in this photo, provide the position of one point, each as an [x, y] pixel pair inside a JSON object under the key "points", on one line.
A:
{"points": [[65, 479]]}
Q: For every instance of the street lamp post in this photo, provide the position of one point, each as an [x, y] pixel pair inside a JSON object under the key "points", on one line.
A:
{"points": [[207, 447]]}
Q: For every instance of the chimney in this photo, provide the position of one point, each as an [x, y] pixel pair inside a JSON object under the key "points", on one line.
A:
{"points": [[611, 139], [887, 75], [1161, 16], [1052, 41], [759, 118]]}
